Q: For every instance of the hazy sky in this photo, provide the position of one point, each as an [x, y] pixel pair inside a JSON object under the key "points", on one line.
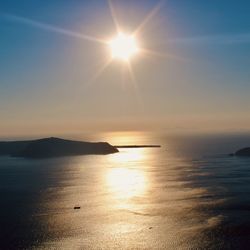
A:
{"points": [[199, 79]]}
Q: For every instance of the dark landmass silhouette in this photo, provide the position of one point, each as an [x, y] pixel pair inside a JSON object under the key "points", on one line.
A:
{"points": [[243, 152], [12, 147], [54, 147]]}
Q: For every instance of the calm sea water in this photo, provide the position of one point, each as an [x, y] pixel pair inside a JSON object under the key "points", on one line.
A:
{"points": [[188, 194]]}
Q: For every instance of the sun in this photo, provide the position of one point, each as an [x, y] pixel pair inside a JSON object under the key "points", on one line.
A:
{"points": [[123, 47]]}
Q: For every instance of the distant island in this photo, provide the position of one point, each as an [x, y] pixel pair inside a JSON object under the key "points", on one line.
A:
{"points": [[243, 152], [54, 147]]}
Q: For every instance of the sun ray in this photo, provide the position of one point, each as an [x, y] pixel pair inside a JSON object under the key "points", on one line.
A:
{"points": [[123, 77], [49, 27], [134, 82], [163, 55], [113, 15], [149, 16], [132, 75], [99, 72]]}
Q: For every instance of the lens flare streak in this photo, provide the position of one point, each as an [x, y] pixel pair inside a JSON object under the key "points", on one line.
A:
{"points": [[123, 46]]}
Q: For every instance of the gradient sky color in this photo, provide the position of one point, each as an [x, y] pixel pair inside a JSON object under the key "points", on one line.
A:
{"points": [[48, 80]]}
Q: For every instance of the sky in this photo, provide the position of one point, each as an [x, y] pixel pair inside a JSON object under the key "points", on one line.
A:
{"points": [[51, 77]]}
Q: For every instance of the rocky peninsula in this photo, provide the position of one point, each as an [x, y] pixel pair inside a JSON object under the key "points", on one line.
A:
{"points": [[54, 147]]}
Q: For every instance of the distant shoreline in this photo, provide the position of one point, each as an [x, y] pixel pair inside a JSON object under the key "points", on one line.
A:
{"points": [[137, 146]]}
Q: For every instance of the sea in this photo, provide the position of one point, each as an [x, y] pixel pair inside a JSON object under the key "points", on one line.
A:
{"points": [[187, 194]]}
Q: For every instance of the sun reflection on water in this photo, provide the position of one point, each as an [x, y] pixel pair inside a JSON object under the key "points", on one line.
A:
{"points": [[126, 183], [127, 180], [129, 156]]}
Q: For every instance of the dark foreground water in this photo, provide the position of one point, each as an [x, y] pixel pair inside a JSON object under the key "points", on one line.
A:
{"points": [[188, 194]]}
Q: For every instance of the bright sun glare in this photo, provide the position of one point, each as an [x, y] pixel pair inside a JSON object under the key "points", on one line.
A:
{"points": [[125, 182], [123, 46]]}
